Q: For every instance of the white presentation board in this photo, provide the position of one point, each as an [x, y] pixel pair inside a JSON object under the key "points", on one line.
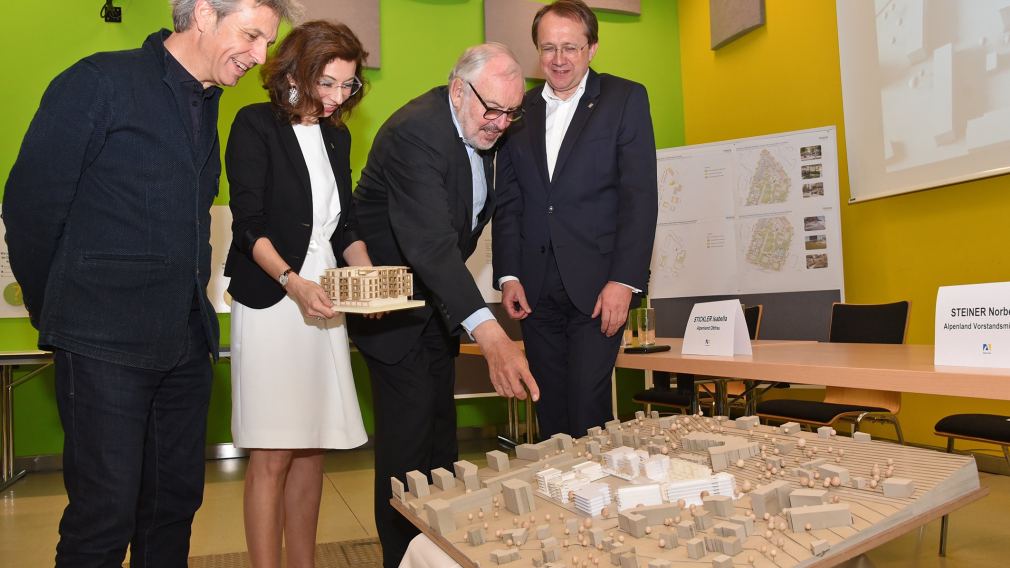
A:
{"points": [[926, 92], [747, 216], [12, 304]]}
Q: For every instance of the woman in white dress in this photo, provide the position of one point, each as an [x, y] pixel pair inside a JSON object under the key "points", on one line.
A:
{"points": [[293, 394]]}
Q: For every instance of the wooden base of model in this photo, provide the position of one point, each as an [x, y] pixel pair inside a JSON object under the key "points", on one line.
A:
{"points": [[369, 289], [799, 498]]}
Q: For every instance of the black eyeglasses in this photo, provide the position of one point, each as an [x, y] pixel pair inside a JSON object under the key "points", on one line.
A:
{"points": [[491, 113]]}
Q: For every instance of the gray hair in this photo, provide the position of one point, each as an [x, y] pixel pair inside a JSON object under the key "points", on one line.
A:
{"points": [[182, 10], [472, 62]]}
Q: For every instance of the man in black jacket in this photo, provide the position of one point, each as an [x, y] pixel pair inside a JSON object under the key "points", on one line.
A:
{"points": [[576, 218], [424, 197], [107, 211]]}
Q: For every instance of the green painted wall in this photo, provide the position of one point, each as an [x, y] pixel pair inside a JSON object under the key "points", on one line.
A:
{"points": [[420, 41]]}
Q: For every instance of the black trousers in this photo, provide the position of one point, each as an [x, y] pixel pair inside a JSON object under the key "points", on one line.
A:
{"points": [[133, 457], [415, 427], [571, 360]]}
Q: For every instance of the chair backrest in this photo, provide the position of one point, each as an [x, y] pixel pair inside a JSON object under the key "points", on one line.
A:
{"points": [[752, 315], [867, 323]]}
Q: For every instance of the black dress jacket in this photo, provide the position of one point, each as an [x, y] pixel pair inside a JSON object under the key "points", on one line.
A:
{"points": [[598, 212], [271, 197], [107, 211], [414, 206]]}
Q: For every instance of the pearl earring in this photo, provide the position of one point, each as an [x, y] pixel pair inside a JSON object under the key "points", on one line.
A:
{"points": [[293, 95]]}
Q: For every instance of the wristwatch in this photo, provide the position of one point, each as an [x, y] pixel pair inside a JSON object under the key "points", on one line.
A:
{"points": [[283, 278]]}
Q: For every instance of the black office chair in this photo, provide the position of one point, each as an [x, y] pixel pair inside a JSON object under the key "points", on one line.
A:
{"points": [[683, 396], [739, 394], [851, 323], [988, 428]]}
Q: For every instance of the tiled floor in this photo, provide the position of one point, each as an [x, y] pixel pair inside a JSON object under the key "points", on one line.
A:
{"points": [[30, 512]]}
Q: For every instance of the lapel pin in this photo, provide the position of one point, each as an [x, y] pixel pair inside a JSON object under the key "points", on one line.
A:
{"points": [[591, 105]]}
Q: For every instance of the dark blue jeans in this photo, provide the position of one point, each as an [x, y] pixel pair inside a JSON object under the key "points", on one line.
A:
{"points": [[133, 457]]}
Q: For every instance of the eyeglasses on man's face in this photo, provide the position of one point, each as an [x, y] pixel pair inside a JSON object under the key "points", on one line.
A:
{"points": [[567, 50], [349, 87], [491, 113]]}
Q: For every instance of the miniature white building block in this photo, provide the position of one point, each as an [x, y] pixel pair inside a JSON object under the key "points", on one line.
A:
{"points": [[722, 561], [831, 470], [825, 431], [898, 487], [747, 422], [819, 547], [695, 548], [476, 536], [417, 483], [629, 560], [785, 446], [703, 519], [722, 545], [991, 61], [397, 487], [504, 555], [722, 450], [770, 498], [467, 473], [685, 529], [670, 538], [861, 437], [819, 516], [443, 479], [518, 496], [617, 552], [807, 497], [640, 415], [746, 522], [597, 536], [563, 441], [789, 428], [367, 285], [440, 517], [551, 553], [719, 505], [659, 563], [730, 530], [633, 524], [860, 482], [773, 461], [498, 461], [518, 536], [532, 452]]}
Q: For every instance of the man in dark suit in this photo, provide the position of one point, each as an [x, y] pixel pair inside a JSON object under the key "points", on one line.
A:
{"points": [[576, 218], [108, 219], [424, 197]]}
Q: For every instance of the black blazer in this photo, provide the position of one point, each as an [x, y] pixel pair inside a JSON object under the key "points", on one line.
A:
{"points": [[271, 197], [599, 211], [414, 206], [108, 211]]}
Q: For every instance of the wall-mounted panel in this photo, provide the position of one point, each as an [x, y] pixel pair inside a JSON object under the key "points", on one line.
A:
{"points": [[633, 7], [362, 16], [510, 22], [730, 19]]}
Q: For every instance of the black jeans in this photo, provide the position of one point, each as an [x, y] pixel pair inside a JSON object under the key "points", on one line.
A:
{"points": [[133, 457]]}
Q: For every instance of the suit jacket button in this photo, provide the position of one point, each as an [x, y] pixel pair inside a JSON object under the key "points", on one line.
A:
{"points": [[550, 209], [543, 250]]}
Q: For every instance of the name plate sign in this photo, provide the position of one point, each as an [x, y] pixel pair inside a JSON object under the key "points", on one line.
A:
{"points": [[717, 328], [973, 325]]}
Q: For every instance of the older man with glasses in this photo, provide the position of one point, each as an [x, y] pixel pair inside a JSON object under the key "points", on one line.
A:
{"points": [[424, 197], [576, 218]]}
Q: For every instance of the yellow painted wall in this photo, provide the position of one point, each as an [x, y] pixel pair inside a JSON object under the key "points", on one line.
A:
{"points": [[785, 76]]}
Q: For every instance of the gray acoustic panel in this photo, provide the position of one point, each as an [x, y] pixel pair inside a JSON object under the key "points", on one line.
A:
{"points": [[510, 22], [621, 6], [362, 16], [785, 315], [730, 19]]}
